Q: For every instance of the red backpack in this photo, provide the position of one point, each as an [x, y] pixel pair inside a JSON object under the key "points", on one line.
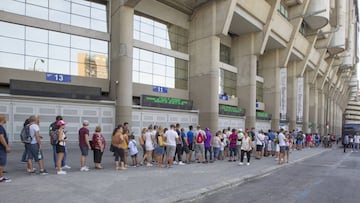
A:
{"points": [[199, 138]]}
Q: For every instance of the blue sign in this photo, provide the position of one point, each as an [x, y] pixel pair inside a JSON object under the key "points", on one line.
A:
{"points": [[223, 97], [257, 105], [58, 77], [160, 89]]}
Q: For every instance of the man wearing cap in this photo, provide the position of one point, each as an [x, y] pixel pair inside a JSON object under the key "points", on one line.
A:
{"points": [[84, 145], [52, 130]]}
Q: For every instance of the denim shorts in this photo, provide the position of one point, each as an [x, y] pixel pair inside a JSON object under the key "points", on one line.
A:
{"points": [[3, 157], [84, 151], [32, 151]]}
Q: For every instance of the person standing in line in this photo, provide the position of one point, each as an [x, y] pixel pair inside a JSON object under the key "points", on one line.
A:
{"points": [[99, 143], [216, 143], [171, 136], [34, 149], [245, 148], [52, 129], [288, 145], [200, 137], [282, 145], [160, 147], [142, 143], [240, 135], [133, 150], [356, 142], [149, 146], [185, 145], [117, 140], [260, 138], [84, 145], [233, 138], [207, 145], [345, 142], [4, 149], [24, 155], [190, 138], [60, 146], [179, 146]]}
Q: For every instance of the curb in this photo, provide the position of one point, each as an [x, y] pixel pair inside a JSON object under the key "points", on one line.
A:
{"points": [[236, 182]]}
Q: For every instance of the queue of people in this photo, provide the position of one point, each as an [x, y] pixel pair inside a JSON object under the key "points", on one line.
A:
{"points": [[163, 147]]}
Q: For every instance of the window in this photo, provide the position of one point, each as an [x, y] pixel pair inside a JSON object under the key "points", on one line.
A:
{"points": [[79, 13], [28, 48], [259, 92], [157, 69], [161, 34], [227, 82], [225, 52], [283, 11]]}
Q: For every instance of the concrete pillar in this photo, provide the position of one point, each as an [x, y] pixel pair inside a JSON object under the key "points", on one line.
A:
{"points": [[292, 94], [305, 127], [204, 49], [313, 106], [321, 112], [121, 61], [270, 70], [246, 77]]}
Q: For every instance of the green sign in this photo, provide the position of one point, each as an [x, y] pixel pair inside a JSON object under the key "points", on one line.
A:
{"points": [[231, 110], [166, 102], [263, 116]]}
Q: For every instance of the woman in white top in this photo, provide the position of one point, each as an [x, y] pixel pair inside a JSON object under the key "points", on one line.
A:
{"points": [[245, 148], [216, 143], [149, 146]]}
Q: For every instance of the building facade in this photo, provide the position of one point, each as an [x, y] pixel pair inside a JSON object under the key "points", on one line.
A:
{"points": [[218, 63]]}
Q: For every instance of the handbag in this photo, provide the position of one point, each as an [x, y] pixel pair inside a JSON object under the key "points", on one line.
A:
{"points": [[112, 148], [161, 141]]}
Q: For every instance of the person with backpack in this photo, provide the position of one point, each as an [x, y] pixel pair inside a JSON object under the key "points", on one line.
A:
{"points": [[208, 146], [4, 149], [60, 146], [200, 137], [34, 148], [160, 147], [190, 138], [53, 141], [299, 140]]}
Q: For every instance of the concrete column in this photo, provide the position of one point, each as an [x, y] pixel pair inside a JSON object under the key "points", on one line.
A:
{"points": [[246, 77], [306, 105], [292, 94], [270, 69], [121, 61], [321, 112], [204, 49], [313, 108]]}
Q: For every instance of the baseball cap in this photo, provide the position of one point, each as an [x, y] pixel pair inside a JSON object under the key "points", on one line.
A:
{"points": [[61, 123], [207, 129], [86, 122]]}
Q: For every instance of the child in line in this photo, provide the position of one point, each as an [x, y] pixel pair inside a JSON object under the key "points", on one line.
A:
{"points": [[133, 150]]}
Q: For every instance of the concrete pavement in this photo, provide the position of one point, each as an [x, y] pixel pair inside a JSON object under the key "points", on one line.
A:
{"points": [[141, 184]]}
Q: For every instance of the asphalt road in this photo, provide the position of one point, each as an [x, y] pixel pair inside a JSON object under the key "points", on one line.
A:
{"points": [[330, 177]]}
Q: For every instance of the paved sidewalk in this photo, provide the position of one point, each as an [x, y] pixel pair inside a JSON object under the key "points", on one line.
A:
{"points": [[142, 184]]}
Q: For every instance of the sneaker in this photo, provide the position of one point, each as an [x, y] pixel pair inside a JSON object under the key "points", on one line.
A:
{"points": [[61, 172], [84, 169], [66, 167], [5, 180], [241, 163], [181, 163], [149, 165], [43, 172], [248, 164], [31, 171], [175, 162]]}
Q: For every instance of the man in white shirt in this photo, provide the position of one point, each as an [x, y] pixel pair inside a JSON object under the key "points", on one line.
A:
{"points": [[282, 144], [260, 137], [200, 137], [171, 137], [356, 142]]}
